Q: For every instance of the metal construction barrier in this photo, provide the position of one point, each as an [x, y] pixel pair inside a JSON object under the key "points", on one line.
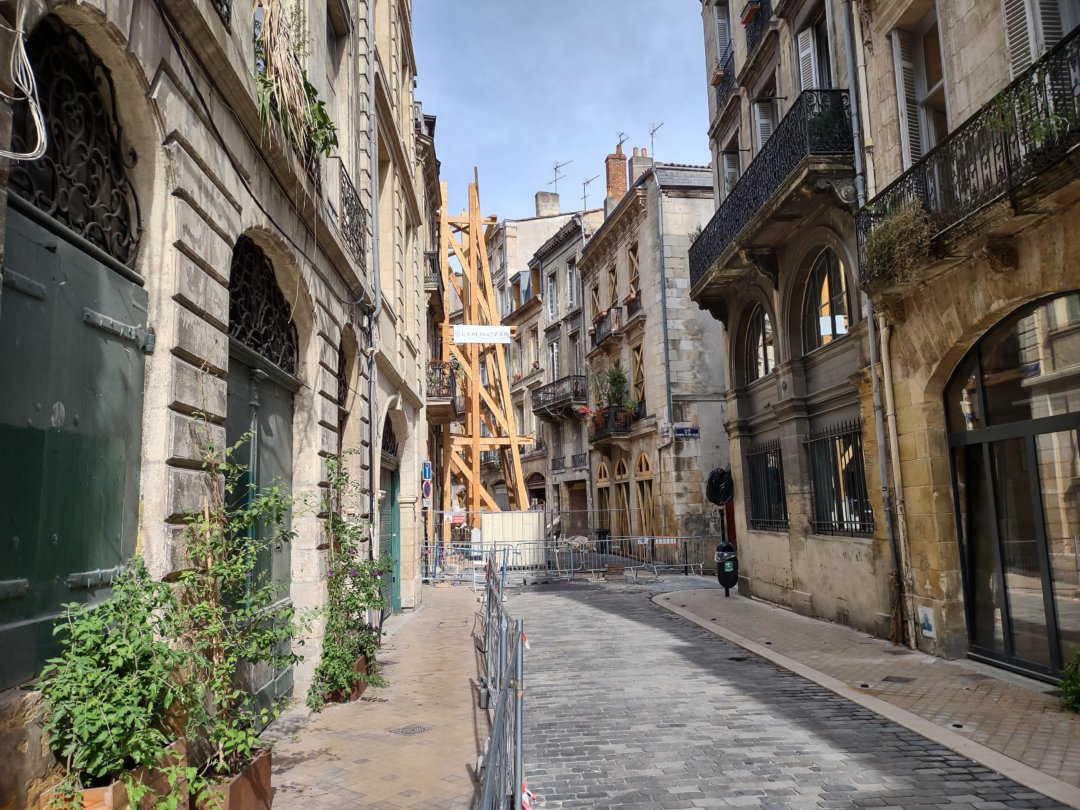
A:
{"points": [[502, 692]]}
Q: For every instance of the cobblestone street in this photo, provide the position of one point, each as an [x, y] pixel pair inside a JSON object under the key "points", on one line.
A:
{"points": [[631, 706]]}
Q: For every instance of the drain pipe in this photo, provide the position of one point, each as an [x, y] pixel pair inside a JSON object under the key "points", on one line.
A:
{"points": [[373, 317], [664, 314], [871, 327]]}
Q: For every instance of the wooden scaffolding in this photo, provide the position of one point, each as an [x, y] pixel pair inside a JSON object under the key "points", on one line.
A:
{"points": [[486, 422]]}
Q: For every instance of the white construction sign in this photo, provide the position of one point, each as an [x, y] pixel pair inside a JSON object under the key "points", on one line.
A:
{"points": [[481, 334]]}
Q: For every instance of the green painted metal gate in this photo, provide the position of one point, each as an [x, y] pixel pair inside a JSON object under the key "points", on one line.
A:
{"points": [[73, 335], [260, 402]]}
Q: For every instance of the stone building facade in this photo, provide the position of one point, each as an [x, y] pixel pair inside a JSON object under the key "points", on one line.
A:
{"points": [[222, 277], [645, 480]]}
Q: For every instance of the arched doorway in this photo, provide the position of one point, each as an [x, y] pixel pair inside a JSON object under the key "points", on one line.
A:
{"points": [[1013, 409], [390, 512], [263, 353], [537, 488], [73, 340]]}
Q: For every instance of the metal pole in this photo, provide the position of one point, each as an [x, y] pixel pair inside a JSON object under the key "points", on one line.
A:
{"points": [[519, 710]]}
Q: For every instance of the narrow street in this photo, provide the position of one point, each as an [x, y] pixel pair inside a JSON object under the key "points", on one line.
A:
{"points": [[632, 706]]}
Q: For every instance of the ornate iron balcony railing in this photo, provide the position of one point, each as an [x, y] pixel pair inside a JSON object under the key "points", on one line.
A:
{"points": [[633, 305], [579, 461], [489, 458], [558, 464], [353, 219], [727, 83], [607, 325], [611, 421], [756, 27], [1025, 130], [441, 383], [432, 274], [224, 10], [818, 123], [560, 393]]}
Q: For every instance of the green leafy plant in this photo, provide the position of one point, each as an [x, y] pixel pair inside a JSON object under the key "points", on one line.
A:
{"points": [[232, 620], [898, 245], [111, 699], [617, 384], [1070, 684], [353, 595]]}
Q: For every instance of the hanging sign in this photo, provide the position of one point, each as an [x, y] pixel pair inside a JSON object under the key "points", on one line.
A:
{"points": [[481, 334]]}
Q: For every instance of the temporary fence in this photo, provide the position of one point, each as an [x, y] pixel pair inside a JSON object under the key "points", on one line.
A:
{"points": [[502, 689]]}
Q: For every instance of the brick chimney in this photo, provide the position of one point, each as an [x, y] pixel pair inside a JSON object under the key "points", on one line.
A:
{"points": [[616, 179], [547, 204], [639, 164]]}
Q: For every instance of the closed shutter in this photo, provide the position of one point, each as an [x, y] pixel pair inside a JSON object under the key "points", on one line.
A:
{"points": [[1051, 27], [808, 63], [764, 121], [723, 32], [731, 169], [1018, 35], [907, 96]]}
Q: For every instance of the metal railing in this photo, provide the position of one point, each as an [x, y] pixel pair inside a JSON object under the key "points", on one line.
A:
{"points": [[561, 393], [841, 502], [1025, 130], [352, 219], [441, 384], [610, 421], [727, 83], [579, 461], [224, 10], [633, 305], [489, 457], [432, 274], [502, 692], [767, 495], [605, 327], [558, 464], [818, 123], [756, 27]]}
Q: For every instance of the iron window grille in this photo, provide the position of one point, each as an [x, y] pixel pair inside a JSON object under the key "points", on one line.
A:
{"points": [[841, 502], [768, 502], [260, 317]]}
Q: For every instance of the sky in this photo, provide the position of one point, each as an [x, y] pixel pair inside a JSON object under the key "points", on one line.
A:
{"points": [[518, 85]]}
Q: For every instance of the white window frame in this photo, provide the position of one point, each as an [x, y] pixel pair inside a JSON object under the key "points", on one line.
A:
{"points": [[553, 296], [573, 281], [553, 360]]}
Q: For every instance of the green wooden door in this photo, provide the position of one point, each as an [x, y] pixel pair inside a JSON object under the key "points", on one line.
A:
{"points": [[73, 335], [261, 404], [390, 531]]}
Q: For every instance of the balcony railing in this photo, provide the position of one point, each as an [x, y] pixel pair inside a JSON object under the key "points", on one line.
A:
{"points": [[489, 458], [756, 27], [1024, 131], [633, 305], [353, 219], [609, 422], [224, 10], [554, 397], [432, 274], [558, 464], [606, 326], [727, 82], [440, 380], [818, 123], [579, 461]]}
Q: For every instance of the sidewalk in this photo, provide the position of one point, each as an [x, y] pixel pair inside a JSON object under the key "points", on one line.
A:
{"points": [[1006, 722], [350, 756]]}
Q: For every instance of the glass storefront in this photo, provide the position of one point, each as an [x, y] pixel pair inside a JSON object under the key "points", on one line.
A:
{"points": [[1013, 418]]}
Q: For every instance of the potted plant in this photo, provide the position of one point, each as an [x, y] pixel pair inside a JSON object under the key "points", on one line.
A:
{"points": [[617, 384], [535, 365], [897, 245], [353, 597], [232, 623], [111, 703], [717, 74]]}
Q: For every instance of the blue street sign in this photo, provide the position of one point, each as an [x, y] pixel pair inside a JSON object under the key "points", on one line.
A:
{"points": [[425, 471], [687, 433]]}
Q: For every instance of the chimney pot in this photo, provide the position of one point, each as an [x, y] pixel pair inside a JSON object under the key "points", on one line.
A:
{"points": [[636, 152], [616, 175]]}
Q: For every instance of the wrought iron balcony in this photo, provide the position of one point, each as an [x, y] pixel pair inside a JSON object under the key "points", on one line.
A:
{"points": [[607, 326], [433, 284], [554, 400], [609, 423], [633, 305], [756, 27], [727, 81], [224, 10], [579, 461], [441, 391], [1016, 149], [558, 464], [818, 123], [489, 458], [352, 219]]}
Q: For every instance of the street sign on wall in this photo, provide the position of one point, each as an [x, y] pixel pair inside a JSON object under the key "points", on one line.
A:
{"points": [[683, 433], [425, 471], [481, 334]]}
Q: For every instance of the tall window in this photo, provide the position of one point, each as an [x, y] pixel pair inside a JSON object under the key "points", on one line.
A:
{"points": [[575, 353], [603, 496], [812, 43], [643, 478], [637, 377], [1032, 27], [760, 354], [826, 314], [920, 86], [838, 481], [765, 114], [621, 522], [613, 286], [766, 499], [635, 270], [730, 167], [596, 307], [553, 360], [534, 345], [573, 282], [722, 15], [553, 296]]}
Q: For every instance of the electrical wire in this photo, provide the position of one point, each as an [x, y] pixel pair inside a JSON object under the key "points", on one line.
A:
{"points": [[22, 78]]}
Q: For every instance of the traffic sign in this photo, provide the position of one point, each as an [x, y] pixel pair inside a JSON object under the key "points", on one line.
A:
{"points": [[425, 471], [425, 490]]}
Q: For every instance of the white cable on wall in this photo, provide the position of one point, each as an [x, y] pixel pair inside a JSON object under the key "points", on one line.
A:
{"points": [[22, 77]]}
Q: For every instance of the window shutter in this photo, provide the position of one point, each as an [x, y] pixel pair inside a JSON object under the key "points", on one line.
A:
{"points": [[808, 67], [1051, 27], [1018, 35], [731, 169], [723, 32], [763, 121], [907, 96]]}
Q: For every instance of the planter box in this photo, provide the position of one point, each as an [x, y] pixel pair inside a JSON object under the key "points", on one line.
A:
{"points": [[115, 796], [249, 790], [717, 76], [750, 11], [360, 667]]}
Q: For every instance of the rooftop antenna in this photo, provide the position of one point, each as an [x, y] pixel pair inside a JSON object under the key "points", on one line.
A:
{"points": [[623, 138], [585, 193], [652, 138], [558, 176]]}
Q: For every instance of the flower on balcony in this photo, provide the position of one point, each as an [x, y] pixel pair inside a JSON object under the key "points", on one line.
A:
{"points": [[536, 365], [583, 412]]}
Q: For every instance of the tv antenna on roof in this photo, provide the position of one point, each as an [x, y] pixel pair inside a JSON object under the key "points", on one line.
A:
{"points": [[585, 193], [652, 138], [558, 176], [623, 138]]}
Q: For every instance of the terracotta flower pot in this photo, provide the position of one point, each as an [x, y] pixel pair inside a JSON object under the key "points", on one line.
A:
{"points": [[115, 796], [248, 790], [750, 11]]}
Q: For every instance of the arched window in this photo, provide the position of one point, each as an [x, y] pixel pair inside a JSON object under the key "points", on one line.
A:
{"points": [[621, 521], [760, 353], [259, 316], [826, 312], [643, 478]]}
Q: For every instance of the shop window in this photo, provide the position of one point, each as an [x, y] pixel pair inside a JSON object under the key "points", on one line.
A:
{"points": [[826, 311]]}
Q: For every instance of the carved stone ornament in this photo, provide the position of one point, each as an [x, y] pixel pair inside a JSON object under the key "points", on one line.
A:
{"points": [[843, 189], [764, 262], [999, 255]]}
